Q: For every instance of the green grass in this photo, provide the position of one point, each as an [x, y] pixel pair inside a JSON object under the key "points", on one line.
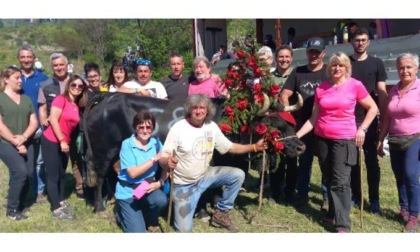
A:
{"points": [[270, 219]]}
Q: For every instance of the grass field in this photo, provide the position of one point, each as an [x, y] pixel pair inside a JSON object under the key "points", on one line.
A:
{"points": [[275, 218]]}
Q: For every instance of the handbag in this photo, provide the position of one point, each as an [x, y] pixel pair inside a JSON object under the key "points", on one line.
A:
{"points": [[401, 143]]}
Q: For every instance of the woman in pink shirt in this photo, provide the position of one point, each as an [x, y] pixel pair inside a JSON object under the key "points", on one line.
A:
{"points": [[336, 134], [402, 122], [64, 118]]}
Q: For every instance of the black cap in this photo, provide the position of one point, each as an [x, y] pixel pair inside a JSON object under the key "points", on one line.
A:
{"points": [[316, 43]]}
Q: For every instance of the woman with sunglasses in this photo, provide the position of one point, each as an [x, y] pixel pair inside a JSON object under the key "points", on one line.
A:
{"points": [[64, 119], [17, 125], [139, 157]]}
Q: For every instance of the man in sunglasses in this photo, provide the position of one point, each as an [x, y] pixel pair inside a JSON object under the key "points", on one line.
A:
{"points": [[144, 85], [371, 72], [49, 89]]}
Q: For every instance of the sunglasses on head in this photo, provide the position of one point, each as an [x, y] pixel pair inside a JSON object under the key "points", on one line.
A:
{"points": [[13, 68], [148, 127], [75, 85], [143, 62]]}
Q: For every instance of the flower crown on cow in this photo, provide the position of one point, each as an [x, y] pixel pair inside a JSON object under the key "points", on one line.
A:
{"points": [[252, 91]]}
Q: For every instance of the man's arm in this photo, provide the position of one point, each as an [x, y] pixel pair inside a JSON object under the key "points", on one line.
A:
{"points": [[246, 148], [284, 96], [43, 117]]}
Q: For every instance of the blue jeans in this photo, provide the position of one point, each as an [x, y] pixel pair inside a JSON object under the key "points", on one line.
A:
{"points": [[134, 215], [39, 175], [406, 167], [186, 196]]}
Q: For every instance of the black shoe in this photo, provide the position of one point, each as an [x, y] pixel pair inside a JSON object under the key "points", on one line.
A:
{"points": [[202, 215], [16, 215]]}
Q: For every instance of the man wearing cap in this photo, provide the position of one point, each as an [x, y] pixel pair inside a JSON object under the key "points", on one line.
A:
{"points": [[144, 85], [305, 79]]}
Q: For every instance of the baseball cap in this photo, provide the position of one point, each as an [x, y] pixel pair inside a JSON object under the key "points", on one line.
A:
{"points": [[316, 43]]}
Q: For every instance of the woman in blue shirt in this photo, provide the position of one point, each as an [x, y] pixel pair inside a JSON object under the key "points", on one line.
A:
{"points": [[139, 158]]}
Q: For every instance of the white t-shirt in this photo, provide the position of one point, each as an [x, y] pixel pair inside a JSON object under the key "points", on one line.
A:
{"points": [[156, 89], [194, 148]]}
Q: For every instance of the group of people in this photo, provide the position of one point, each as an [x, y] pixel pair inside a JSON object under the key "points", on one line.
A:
{"points": [[339, 116]]}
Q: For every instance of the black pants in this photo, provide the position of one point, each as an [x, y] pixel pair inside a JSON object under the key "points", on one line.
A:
{"points": [[372, 167], [21, 169], [337, 158], [55, 165]]}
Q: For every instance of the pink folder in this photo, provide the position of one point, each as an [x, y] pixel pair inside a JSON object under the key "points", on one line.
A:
{"points": [[141, 190]]}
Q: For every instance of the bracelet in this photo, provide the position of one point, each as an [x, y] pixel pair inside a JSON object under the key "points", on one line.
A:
{"points": [[161, 182], [364, 129], [254, 146]]}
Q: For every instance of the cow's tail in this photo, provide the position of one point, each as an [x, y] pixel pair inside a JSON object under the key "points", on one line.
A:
{"points": [[90, 169]]}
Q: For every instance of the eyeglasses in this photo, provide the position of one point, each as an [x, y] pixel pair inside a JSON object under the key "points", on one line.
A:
{"points": [[143, 62], [144, 128], [92, 76], [360, 41], [75, 85]]}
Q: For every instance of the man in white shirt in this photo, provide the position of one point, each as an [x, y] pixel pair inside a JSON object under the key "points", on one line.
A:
{"points": [[144, 85]]}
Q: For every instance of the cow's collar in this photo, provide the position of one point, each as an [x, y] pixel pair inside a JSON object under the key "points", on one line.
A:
{"points": [[195, 126]]}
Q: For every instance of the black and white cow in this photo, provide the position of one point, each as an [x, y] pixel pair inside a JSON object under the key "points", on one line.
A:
{"points": [[107, 121]]}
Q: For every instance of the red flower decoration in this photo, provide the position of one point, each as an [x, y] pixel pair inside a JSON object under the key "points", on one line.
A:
{"points": [[226, 128], [242, 104], [228, 83], [244, 129], [240, 54], [257, 87], [259, 98], [257, 72], [275, 134], [261, 128], [279, 146], [274, 89], [229, 110]]}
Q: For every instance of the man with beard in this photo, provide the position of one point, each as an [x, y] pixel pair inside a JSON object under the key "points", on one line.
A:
{"points": [[371, 72], [204, 83], [305, 79], [177, 83], [31, 80]]}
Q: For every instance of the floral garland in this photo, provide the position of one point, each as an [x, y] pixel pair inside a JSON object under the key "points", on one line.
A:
{"points": [[248, 81]]}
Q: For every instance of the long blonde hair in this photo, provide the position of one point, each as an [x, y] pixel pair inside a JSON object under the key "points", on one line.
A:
{"points": [[6, 73]]}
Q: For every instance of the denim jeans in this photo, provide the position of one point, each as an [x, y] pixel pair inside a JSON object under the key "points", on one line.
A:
{"points": [[186, 196], [134, 215], [39, 175], [406, 167]]}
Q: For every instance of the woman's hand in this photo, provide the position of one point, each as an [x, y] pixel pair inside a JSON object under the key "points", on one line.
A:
{"points": [[22, 150], [360, 137], [153, 186], [380, 149], [18, 140], [64, 147]]}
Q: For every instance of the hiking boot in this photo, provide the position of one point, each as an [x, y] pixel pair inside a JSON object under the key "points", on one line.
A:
{"points": [[412, 224], [202, 215], [375, 208], [67, 207], [221, 219], [325, 206], [300, 201], [404, 214], [16, 215], [61, 214], [41, 198]]}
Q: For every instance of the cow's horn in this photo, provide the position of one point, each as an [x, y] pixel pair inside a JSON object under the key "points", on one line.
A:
{"points": [[296, 106], [265, 106]]}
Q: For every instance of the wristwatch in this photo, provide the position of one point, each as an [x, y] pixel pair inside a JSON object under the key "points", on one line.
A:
{"points": [[364, 129]]}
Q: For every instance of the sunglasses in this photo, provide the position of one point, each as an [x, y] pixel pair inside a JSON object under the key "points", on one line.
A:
{"points": [[75, 85], [143, 62], [13, 68], [144, 128]]}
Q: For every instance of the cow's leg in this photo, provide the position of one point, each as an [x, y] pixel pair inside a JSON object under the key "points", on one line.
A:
{"points": [[98, 205]]}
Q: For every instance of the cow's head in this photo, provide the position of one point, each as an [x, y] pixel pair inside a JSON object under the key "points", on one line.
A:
{"points": [[284, 122]]}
